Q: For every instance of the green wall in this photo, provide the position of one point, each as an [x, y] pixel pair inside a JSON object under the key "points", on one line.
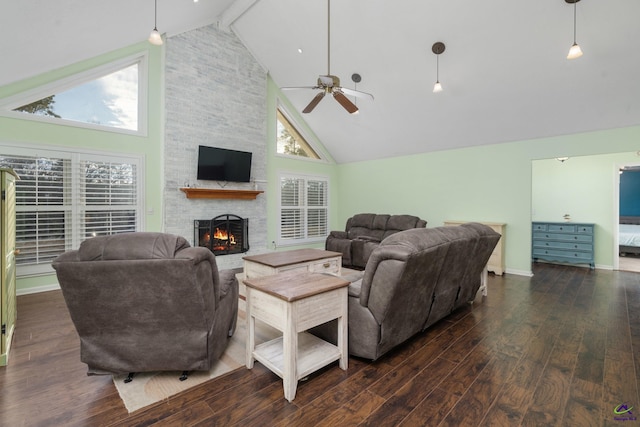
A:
{"points": [[489, 183], [278, 163], [14, 130]]}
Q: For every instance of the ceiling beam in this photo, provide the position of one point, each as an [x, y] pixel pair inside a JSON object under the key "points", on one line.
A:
{"points": [[233, 12]]}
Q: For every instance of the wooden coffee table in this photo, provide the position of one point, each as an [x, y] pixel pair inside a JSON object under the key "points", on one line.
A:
{"points": [[293, 302]]}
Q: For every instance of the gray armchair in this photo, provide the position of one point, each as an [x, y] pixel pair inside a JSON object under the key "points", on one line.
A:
{"points": [[364, 232], [147, 302]]}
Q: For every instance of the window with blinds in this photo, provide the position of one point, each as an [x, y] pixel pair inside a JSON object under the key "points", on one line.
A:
{"points": [[65, 198], [304, 209]]}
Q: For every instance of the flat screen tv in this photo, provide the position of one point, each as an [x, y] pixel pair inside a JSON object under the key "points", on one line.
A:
{"points": [[221, 164]]}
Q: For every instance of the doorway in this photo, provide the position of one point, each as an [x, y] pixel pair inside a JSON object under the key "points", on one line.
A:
{"points": [[629, 217]]}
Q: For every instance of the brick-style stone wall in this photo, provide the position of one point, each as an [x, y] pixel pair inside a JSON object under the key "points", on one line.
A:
{"points": [[215, 95]]}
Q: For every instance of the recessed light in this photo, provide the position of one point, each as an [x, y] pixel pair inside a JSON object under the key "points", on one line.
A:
{"points": [[299, 50]]}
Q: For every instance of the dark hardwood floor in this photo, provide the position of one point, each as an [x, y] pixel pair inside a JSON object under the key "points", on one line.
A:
{"points": [[560, 348]]}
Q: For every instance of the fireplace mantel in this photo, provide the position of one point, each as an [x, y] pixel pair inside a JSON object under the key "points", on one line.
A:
{"points": [[213, 193]]}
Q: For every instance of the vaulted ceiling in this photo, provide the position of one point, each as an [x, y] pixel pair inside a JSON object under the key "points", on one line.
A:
{"points": [[504, 71]]}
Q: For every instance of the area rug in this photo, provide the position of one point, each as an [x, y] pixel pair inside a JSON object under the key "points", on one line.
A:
{"points": [[151, 387]]}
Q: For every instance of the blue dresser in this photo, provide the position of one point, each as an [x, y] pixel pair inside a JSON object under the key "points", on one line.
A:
{"points": [[564, 242]]}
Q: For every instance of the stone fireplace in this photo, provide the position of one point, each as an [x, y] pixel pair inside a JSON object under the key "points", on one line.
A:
{"points": [[223, 235]]}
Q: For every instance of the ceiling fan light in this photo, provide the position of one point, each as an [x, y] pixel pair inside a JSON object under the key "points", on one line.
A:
{"points": [[574, 51], [437, 88]]}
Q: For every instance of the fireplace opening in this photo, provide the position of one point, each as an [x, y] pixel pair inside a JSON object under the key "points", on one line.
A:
{"points": [[223, 235]]}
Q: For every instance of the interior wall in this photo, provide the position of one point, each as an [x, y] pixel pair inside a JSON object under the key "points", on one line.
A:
{"points": [[585, 187], [28, 132], [215, 96], [489, 183]]}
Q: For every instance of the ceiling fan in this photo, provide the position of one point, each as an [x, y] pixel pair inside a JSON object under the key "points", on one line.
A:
{"points": [[330, 84]]}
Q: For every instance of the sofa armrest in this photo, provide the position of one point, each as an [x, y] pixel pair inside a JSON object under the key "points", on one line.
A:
{"points": [[339, 234]]}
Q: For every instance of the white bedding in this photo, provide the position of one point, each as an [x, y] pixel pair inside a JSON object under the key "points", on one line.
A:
{"points": [[629, 235]]}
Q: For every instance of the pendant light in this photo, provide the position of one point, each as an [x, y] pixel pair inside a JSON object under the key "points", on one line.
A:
{"points": [[155, 37], [437, 48], [574, 51]]}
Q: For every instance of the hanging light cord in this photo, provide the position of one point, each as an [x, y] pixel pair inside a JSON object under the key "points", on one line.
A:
{"points": [[155, 15], [328, 37], [574, 22], [438, 68]]}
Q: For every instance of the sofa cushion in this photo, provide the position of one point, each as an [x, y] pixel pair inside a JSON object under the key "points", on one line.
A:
{"points": [[380, 222], [140, 245]]}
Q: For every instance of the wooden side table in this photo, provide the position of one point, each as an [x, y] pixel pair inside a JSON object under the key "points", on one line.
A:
{"points": [[292, 303]]}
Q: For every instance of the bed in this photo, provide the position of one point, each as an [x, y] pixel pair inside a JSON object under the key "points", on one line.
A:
{"points": [[629, 235]]}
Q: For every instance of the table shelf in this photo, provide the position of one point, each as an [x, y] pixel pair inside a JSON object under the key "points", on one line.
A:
{"points": [[313, 354]]}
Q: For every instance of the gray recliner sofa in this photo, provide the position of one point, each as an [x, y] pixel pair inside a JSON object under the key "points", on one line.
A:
{"points": [[364, 232], [413, 279], [147, 302]]}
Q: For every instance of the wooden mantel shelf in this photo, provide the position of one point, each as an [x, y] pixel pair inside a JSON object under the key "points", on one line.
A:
{"points": [[212, 193]]}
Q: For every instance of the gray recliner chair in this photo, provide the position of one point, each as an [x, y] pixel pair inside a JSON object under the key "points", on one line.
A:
{"points": [[147, 302]]}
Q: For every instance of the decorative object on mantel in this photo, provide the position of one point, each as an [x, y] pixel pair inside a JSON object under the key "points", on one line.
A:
{"points": [[213, 193]]}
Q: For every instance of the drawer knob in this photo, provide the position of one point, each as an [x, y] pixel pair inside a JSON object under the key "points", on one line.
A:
{"points": [[326, 265]]}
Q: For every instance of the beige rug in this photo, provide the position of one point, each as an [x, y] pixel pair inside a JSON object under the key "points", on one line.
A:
{"points": [[150, 387]]}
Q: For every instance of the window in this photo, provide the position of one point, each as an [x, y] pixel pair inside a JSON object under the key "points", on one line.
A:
{"points": [[289, 140], [304, 209], [110, 97], [64, 198]]}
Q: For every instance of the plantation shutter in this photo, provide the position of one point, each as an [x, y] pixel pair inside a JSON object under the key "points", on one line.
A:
{"points": [[108, 197], [41, 210], [291, 213], [304, 210], [317, 208], [63, 198]]}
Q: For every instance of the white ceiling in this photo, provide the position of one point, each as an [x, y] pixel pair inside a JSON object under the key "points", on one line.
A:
{"points": [[504, 71]]}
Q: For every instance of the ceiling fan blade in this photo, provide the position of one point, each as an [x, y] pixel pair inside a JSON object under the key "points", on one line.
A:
{"points": [[344, 101], [300, 87], [356, 93], [316, 99]]}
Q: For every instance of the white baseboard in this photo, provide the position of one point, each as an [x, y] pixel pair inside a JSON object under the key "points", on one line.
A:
{"points": [[519, 272], [37, 289]]}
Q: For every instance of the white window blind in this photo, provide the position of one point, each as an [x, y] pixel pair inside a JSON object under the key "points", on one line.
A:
{"points": [[304, 209], [65, 198], [108, 195]]}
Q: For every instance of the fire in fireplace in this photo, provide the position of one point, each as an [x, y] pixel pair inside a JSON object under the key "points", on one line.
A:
{"points": [[223, 235]]}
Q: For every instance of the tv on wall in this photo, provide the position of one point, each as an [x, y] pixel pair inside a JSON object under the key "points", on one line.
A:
{"points": [[221, 164]]}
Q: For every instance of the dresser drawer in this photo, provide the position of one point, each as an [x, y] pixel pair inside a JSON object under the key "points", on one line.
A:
{"points": [[561, 228], [563, 237], [586, 229], [539, 227], [546, 244], [560, 254]]}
